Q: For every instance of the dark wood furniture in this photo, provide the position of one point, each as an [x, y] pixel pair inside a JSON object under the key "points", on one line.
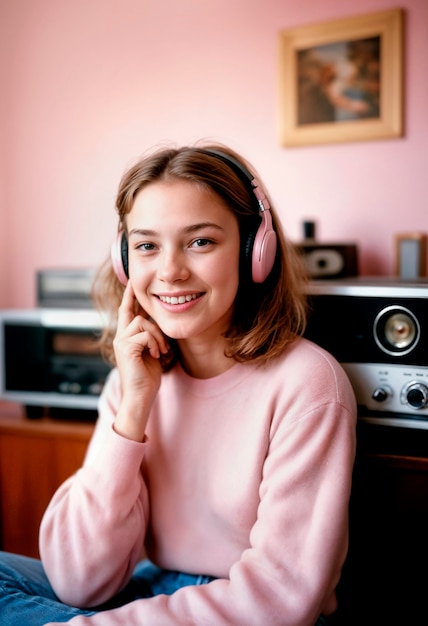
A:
{"points": [[384, 579], [36, 456]]}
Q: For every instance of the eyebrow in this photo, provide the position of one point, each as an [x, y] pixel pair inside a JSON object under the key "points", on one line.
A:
{"points": [[188, 229]]}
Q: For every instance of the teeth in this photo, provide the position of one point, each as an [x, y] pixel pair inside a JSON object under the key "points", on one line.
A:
{"points": [[179, 299]]}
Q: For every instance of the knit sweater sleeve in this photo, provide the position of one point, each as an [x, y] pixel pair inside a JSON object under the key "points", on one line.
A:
{"points": [[91, 535]]}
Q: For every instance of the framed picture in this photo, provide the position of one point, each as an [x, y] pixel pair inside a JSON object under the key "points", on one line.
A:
{"points": [[342, 80]]}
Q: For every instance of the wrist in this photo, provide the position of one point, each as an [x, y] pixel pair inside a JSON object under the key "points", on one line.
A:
{"points": [[131, 422]]}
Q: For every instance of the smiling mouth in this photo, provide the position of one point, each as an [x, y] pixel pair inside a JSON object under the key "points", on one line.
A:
{"points": [[179, 299]]}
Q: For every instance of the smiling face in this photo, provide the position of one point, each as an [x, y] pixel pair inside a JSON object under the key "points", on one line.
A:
{"points": [[184, 259]]}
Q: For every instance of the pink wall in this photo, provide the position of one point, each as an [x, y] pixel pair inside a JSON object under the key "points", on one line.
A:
{"points": [[88, 86]]}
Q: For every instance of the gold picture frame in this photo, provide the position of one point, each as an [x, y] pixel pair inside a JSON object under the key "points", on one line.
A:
{"points": [[342, 80]]}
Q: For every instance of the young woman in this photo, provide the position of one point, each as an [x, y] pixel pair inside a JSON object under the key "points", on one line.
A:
{"points": [[225, 441]]}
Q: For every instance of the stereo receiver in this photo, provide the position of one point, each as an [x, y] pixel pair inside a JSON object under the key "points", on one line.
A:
{"points": [[50, 360], [378, 330]]}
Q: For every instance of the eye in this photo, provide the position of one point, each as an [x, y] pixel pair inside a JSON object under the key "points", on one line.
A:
{"points": [[146, 247], [201, 242]]}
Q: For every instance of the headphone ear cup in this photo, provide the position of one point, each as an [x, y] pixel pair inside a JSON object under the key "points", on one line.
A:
{"points": [[263, 249], [119, 257], [247, 248]]}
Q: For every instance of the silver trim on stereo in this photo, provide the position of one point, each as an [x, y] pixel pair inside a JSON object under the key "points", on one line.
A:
{"points": [[370, 287], [394, 421], [54, 318]]}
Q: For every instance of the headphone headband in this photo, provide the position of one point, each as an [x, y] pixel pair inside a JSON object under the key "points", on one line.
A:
{"points": [[243, 172]]}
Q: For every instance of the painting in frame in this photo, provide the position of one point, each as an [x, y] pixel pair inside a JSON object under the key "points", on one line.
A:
{"points": [[342, 80]]}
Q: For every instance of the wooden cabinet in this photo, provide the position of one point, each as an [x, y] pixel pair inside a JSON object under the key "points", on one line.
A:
{"points": [[36, 456], [384, 579]]}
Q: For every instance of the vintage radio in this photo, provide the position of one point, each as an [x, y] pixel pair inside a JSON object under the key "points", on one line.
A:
{"points": [[327, 260], [378, 330], [50, 360]]}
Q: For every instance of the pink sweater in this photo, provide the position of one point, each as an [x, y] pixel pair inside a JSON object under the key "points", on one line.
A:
{"points": [[245, 477]]}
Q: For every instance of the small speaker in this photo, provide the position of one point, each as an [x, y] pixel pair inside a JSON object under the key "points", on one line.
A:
{"points": [[410, 255], [329, 260]]}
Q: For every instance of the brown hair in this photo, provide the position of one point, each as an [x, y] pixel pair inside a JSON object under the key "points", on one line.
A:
{"points": [[267, 316]]}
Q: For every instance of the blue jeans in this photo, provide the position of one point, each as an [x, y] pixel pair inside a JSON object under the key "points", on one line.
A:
{"points": [[27, 599]]}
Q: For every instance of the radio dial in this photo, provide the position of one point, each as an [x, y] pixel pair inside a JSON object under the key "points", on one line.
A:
{"points": [[380, 394], [415, 395]]}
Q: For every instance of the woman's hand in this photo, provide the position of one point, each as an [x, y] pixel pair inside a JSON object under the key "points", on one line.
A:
{"points": [[138, 345]]}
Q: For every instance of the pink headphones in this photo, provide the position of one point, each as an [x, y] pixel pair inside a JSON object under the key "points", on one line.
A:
{"points": [[259, 249]]}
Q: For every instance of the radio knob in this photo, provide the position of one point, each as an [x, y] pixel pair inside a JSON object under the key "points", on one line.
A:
{"points": [[95, 389], [381, 394], [416, 395], [75, 387]]}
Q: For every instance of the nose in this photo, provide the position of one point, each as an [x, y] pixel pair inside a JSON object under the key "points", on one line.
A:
{"points": [[172, 266]]}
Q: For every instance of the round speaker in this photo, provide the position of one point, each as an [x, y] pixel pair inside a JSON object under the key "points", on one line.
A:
{"points": [[396, 330]]}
